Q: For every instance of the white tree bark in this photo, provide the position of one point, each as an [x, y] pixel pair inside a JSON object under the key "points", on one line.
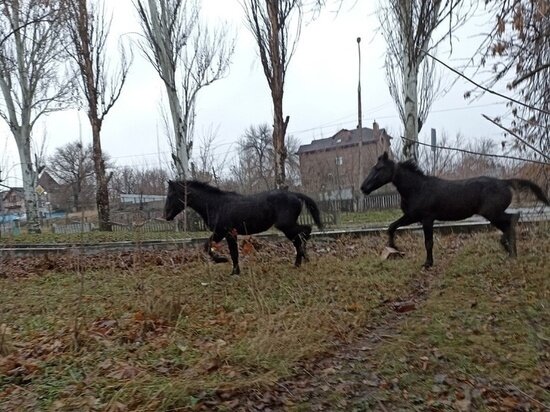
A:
{"points": [[29, 81], [408, 26], [29, 177], [410, 94], [187, 58]]}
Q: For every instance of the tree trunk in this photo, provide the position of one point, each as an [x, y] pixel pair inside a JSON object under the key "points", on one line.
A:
{"points": [[180, 155], [277, 91], [410, 81], [279, 131], [28, 174], [102, 182], [181, 148]]}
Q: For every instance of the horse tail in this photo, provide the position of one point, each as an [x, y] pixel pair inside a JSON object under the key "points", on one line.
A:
{"points": [[519, 184], [312, 208]]}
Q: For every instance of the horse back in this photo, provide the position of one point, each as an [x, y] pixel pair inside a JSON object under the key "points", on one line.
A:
{"points": [[460, 199]]}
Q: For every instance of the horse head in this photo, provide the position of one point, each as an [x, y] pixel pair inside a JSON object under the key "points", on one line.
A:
{"points": [[381, 173], [175, 200]]}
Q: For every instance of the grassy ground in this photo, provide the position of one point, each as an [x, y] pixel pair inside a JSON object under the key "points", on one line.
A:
{"points": [[95, 237], [167, 330], [371, 217], [161, 334], [482, 338]]}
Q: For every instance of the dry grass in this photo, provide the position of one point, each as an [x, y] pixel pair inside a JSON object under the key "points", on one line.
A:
{"points": [[153, 337], [482, 338], [165, 337]]}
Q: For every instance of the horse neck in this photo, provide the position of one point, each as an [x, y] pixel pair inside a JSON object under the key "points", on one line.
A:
{"points": [[204, 203], [406, 181]]}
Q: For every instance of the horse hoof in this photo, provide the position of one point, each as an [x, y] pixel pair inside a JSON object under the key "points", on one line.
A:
{"points": [[427, 265]]}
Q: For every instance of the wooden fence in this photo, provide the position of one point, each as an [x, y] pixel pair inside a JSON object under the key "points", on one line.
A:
{"points": [[150, 220], [365, 203], [382, 201], [79, 227]]}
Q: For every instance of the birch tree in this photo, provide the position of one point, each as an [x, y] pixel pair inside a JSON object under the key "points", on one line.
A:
{"points": [[31, 81], [187, 56], [100, 90], [276, 27], [408, 27]]}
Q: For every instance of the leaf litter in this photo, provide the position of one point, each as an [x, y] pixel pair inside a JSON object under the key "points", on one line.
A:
{"points": [[357, 366]]}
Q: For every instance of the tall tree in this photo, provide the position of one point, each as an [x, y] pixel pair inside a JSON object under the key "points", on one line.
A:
{"points": [[100, 90], [519, 48], [276, 27], [188, 57], [408, 27], [31, 82], [73, 165]]}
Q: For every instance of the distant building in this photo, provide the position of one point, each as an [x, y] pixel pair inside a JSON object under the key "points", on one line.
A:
{"points": [[54, 195], [331, 165], [12, 200]]}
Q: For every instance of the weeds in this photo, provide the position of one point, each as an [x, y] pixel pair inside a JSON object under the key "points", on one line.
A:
{"points": [[169, 329]]}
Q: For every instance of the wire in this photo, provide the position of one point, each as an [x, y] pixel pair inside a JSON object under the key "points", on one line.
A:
{"points": [[476, 153], [485, 88]]}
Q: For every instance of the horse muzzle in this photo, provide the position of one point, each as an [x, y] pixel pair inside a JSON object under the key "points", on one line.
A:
{"points": [[366, 189]]}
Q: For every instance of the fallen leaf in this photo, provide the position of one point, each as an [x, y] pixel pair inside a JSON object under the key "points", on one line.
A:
{"points": [[391, 253]]}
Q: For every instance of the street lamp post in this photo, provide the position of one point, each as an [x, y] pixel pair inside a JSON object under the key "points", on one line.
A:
{"points": [[359, 119]]}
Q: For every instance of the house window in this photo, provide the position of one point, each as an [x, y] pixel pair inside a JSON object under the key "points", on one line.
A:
{"points": [[339, 161]]}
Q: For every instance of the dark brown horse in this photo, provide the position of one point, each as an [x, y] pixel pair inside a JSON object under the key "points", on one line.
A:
{"points": [[427, 198], [229, 214]]}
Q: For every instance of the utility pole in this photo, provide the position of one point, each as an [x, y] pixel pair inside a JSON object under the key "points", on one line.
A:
{"points": [[434, 150], [359, 120]]}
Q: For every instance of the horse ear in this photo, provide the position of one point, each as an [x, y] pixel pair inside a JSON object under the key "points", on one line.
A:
{"points": [[385, 156], [170, 183]]}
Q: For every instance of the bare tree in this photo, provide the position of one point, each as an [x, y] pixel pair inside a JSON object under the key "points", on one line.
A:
{"points": [[100, 90], [73, 165], [255, 168], [207, 166], [519, 46], [408, 27], [188, 57], [30, 80], [276, 27], [149, 181]]}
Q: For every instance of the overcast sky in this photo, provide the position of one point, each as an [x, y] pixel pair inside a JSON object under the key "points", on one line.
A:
{"points": [[320, 93]]}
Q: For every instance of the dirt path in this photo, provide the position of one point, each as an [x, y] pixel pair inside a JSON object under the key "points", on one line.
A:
{"points": [[348, 378], [344, 379]]}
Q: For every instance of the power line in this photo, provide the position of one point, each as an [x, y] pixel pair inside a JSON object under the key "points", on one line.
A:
{"points": [[476, 153], [486, 88], [517, 137]]}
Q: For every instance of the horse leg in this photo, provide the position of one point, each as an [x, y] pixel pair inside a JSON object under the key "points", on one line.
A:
{"points": [[298, 235], [428, 227], [305, 234], [506, 223], [402, 221], [216, 257], [234, 252]]}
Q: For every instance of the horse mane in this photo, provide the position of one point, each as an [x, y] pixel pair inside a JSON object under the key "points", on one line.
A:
{"points": [[411, 166], [205, 187]]}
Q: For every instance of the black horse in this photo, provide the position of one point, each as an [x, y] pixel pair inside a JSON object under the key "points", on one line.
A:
{"points": [[229, 214], [427, 198]]}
